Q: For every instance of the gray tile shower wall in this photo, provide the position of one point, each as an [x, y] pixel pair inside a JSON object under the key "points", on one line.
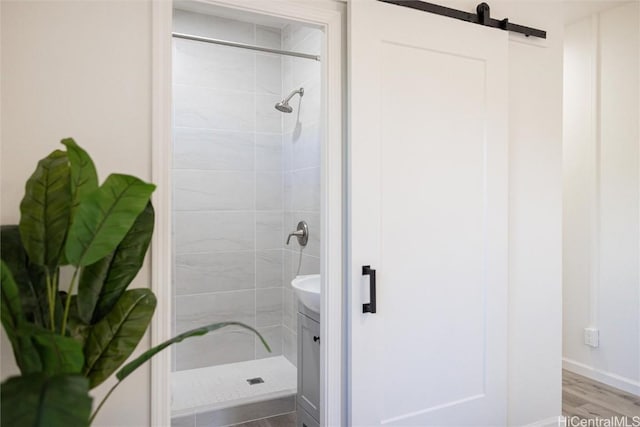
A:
{"points": [[244, 174], [301, 145], [227, 190]]}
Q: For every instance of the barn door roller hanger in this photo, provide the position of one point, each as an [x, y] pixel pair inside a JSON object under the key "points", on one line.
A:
{"points": [[482, 17]]}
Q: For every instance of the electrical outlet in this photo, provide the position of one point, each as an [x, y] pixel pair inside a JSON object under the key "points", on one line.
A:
{"points": [[592, 337]]}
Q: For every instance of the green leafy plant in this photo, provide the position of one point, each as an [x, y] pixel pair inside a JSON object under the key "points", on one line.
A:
{"points": [[66, 342]]}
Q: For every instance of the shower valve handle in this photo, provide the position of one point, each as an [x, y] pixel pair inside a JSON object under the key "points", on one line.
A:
{"points": [[297, 233], [302, 234]]}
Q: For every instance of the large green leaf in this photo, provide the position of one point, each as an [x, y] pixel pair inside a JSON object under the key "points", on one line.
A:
{"points": [[38, 400], [76, 327], [45, 210], [36, 349], [112, 340], [102, 283], [13, 320], [33, 292], [13, 253], [12, 314], [84, 178], [144, 357], [92, 279], [104, 217], [59, 354]]}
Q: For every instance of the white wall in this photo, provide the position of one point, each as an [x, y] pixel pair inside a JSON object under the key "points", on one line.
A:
{"points": [[601, 196], [80, 69]]}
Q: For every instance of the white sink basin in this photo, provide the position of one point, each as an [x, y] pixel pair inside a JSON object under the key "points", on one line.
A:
{"points": [[308, 290]]}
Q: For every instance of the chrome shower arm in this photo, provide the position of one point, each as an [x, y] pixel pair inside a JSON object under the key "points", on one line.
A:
{"points": [[288, 98]]}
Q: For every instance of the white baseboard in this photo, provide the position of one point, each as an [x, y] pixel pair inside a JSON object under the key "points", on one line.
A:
{"points": [[608, 378]]}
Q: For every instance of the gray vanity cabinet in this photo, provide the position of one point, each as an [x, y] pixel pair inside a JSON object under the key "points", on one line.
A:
{"points": [[308, 369], [306, 420]]}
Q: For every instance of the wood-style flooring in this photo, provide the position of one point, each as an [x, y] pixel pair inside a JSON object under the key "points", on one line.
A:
{"points": [[588, 399], [286, 420]]}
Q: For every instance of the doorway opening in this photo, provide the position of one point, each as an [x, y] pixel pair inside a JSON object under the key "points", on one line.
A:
{"points": [[248, 132]]}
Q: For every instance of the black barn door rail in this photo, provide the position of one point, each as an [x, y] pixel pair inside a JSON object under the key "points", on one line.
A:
{"points": [[481, 18]]}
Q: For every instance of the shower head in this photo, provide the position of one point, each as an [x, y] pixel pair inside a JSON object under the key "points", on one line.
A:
{"points": [[284, 106]]}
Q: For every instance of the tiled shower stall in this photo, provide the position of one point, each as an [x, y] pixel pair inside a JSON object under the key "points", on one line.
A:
{"points": [[244, 174]]}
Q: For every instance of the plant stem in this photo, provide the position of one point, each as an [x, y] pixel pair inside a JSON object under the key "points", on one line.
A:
{"points": [[63, 330], [54, 291], [104, 399], [51, 301]]}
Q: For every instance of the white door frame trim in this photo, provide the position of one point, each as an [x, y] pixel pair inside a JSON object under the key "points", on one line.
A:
{"points": [[161, 244], [329, 15]]}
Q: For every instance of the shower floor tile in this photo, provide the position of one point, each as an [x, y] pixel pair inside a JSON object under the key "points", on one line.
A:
{"points": [[224, 386]]}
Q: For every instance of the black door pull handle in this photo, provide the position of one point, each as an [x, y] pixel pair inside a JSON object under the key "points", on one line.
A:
{"points": [[316, 338], [370, 307]]}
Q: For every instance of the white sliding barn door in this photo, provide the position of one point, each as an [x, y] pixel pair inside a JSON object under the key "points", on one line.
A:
{"points": [[428, 211]]}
